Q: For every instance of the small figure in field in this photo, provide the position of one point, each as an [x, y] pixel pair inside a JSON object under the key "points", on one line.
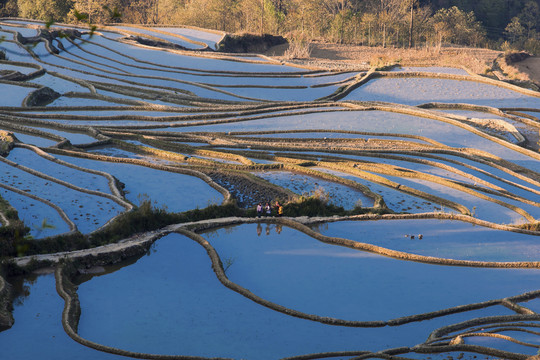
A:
{"points": [[268, 209], [280, 210], [259, 210]]}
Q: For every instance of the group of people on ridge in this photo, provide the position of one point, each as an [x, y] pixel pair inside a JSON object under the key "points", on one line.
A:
{"points": [[267, 209]]}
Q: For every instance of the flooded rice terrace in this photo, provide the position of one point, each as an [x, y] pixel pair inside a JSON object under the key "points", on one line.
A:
{"points": [[429, 179]]}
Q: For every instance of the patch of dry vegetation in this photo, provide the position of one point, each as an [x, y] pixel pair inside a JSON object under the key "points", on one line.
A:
{"points": [[299, 48], [479, 61]]}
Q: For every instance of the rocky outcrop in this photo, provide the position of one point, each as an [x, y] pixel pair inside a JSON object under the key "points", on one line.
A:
{"points": [[41, 97], [515, 57], [47, 34], [249, 43], [6, 142]]}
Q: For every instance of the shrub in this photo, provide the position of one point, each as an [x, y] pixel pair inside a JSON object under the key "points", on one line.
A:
{"points": [[533, 226], [312, 206], [12, 240], [147, 217], [248, 43], [299, 48]]}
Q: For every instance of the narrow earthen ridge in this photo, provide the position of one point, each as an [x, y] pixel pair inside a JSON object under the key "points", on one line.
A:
{"points": [[445, 331], [144, 240], [430, 349], [328, 355], [4, 221], [385, 354], [63, 215], [116, 199], [406, 256], [71, 313], [111, 180], [70, 321], [220, 273], [40, 70], [101, 255], [226, 194]]}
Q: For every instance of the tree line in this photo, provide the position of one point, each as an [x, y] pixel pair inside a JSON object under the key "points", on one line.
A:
{"points": [[502, 24]]}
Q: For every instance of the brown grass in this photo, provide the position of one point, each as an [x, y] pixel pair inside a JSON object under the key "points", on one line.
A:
{"points": [[478, 61]]}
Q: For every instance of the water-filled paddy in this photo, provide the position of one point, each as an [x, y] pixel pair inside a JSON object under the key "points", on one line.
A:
{"points": [[42, 219], [59, 85], [339, 195], [198, 35], [87, 211], [80, 178], [432, 69], [170, 301], [34, 140], [482, 208], [37, 317], [290, 268], [17, 94], [167, 37], [416, 91], [176, 192], [377, 122], [173, 294], [396, 200], [73, 137], [441, 238]]}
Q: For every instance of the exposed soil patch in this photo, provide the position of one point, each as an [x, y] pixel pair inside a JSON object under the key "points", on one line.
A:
{"points": [[247, 193], [531, 67], [478, 60]]}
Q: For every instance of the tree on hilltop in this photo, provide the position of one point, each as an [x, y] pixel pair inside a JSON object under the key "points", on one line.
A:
{"points": [[44, 9]]}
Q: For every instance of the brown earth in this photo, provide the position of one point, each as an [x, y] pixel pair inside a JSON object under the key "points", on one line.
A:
{"points": [[247, 193], [479, 61]]}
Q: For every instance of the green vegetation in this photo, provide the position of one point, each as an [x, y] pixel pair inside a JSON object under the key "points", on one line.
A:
{"points": [[312, 206], [402, 23], [12, 236], [14, 239], [532, 226]]}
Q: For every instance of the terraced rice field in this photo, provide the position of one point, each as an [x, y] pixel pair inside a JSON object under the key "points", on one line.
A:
{"points": [[94, 123]]}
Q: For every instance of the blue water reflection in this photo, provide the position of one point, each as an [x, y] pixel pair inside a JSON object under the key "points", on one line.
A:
{"points": [[171, 303]]}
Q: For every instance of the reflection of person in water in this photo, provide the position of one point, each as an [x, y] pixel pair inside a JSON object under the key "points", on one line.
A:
{"points": [[279, 228], [267, 229], [259, 229]]}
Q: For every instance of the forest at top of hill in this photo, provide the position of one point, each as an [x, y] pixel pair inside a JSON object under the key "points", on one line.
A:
{"points": [[498, 24]]}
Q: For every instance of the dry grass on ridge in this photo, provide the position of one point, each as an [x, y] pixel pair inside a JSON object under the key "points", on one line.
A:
{"points": [[477, 60]]}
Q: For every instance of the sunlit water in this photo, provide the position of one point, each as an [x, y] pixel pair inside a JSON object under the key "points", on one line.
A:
{"points": [[170, 302]]}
